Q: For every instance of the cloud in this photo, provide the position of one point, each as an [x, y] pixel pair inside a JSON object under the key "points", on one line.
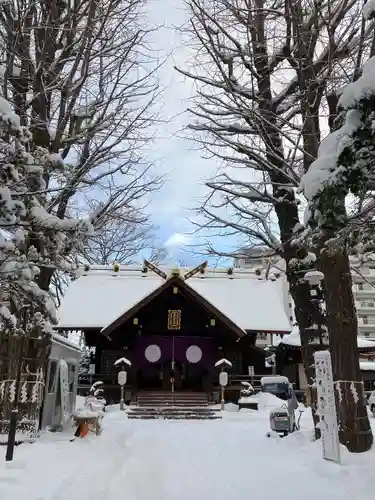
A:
{"points": [[173, 155], [177, 158], [177, 240]]}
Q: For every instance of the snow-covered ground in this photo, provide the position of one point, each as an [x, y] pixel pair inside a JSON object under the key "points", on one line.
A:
{"points": [[228, 459]]}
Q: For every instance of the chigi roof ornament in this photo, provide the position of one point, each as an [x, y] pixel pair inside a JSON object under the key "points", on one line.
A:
{"points": [[176, 271], [155, 269], [199, 269]]}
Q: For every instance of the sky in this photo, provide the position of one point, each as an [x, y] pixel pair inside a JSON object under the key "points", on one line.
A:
{"points": [[179, 159], [174, 206]]}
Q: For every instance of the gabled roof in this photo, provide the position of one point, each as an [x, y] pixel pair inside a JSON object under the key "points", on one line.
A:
{"points": [[99, 297], [176, 280]]}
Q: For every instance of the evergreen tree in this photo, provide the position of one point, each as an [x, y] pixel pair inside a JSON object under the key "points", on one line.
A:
{"points": [[30, 239]]}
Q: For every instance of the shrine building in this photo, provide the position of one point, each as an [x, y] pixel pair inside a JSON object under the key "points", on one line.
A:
{"points": [[289, 360], [173, 325]]}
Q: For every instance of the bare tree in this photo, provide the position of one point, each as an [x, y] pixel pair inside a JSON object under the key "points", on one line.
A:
{"points": [[124, 240], [265, 73], [80, 75]]}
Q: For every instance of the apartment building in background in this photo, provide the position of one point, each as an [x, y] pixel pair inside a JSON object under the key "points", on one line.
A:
{"points": [[363, 276], [260, 260], [255, 258]]}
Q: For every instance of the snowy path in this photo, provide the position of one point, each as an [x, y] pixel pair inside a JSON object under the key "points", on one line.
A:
{"points": [[229, 459]]}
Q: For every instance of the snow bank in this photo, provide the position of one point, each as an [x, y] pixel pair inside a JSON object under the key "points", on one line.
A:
{"points": [[231, 407], [227, 459], [264, 400], [267, 401], [247, 400]]}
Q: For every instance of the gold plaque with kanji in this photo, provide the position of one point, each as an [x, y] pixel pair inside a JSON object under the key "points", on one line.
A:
{"points": [[174, 319]]}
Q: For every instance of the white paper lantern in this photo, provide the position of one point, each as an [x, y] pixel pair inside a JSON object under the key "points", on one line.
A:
{"points": [[193, 354], [152, 353]]}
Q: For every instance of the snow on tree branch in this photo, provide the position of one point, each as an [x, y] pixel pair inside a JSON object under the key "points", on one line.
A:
{"points": [[261, 73], [87, 90], [345, 165], [33, 238]]}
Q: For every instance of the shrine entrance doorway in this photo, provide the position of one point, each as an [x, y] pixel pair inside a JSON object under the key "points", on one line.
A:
{"points": [[174, 362]]}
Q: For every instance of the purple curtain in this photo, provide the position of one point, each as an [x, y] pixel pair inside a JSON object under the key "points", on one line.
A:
{"points": [[181, 344]]}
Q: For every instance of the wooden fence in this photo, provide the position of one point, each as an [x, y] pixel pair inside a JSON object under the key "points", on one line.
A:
{"points": [[28, 355]]}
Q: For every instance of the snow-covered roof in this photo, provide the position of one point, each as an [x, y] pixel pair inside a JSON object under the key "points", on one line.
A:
{"points": [[274, 379], [368, 366], [59, 339], [100, 296], [294, 339]]}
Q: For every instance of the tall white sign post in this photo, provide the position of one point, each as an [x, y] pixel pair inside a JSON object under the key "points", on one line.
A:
{"points": [[327, 406], [64, 390]]}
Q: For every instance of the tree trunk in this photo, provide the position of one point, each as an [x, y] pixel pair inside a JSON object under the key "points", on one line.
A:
{"points": [[300, 292], [45, 277], [354, 426], [286, 209]]}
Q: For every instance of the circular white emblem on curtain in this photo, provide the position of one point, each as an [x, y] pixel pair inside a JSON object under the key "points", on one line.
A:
{"points": [[152, 353], [193, 354]]}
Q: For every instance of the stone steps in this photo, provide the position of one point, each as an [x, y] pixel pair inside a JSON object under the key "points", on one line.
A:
{"points": [[175, 413], [173, 417], [183, 399], [172, 409], [172, 406], [152, 403]]}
